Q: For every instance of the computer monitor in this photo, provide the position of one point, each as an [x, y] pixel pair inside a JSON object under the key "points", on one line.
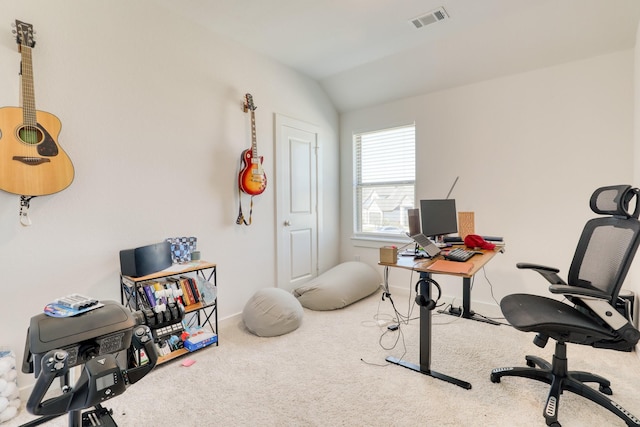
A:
{"points": [[438, 217]]}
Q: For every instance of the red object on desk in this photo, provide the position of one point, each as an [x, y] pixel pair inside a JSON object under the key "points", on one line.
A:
{"points": [[475, 241]]}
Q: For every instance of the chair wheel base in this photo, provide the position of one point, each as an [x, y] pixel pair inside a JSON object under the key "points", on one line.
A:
{"points": [[560, 379]]}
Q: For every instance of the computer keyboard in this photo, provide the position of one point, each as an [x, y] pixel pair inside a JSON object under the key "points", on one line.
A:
{"points": [[458, 254]]}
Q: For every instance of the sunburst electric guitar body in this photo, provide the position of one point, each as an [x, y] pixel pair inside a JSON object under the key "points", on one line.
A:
{"points": [[31, 161], [252, 179]]}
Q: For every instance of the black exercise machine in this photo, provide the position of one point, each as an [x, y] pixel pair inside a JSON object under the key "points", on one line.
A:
{"points": [[92, 339]]}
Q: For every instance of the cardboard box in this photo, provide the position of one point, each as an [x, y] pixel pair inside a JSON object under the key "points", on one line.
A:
{"points": [[388, 254], [199, 340], [466, 224]]}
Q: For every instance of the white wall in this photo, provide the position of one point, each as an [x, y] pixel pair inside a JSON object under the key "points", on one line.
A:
{"points": [[151, 117], [529, 149]]}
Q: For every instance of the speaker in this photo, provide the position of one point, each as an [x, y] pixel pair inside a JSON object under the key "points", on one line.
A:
{"points": [[145, 260], [422, 300]]}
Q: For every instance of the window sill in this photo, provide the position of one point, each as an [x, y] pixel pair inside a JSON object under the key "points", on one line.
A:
{"points": [[375, 241]]}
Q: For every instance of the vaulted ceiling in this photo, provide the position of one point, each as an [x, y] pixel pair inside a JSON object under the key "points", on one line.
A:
{"points": [[366, 52]]}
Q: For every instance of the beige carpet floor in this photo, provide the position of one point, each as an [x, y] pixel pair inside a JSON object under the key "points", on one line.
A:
{"points": [[332, 372]]}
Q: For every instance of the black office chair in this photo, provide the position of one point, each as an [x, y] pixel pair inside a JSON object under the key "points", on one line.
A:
{"points": [[602, 259]]}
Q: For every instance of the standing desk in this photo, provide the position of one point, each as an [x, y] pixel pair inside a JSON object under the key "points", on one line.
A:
{"points": [[426, 268]]}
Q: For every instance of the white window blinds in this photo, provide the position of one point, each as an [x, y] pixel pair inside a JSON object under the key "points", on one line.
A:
{"points": [[384, 179]]}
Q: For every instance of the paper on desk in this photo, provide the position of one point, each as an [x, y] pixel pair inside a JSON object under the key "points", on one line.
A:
{"points": [[446, 266]]}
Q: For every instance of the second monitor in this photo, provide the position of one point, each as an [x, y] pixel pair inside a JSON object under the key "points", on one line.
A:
{"points": [[439, 217]]}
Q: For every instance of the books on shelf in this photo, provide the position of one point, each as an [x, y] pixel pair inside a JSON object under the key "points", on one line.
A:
{"points": [[187, 288], [184, 289]]}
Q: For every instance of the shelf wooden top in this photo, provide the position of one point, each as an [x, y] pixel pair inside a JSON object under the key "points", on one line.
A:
{"points": [[174, 270], [438, 265]]}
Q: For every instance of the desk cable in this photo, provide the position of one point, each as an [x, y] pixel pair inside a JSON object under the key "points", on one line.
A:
{"points": [[484, 272], [399, 319], [388, 323]]}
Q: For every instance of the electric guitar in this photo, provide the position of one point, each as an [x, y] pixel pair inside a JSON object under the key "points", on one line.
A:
{"points": [[252, 178], [31, 161]]}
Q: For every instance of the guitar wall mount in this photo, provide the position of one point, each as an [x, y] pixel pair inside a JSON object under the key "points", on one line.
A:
{"points": [[24, 210]]}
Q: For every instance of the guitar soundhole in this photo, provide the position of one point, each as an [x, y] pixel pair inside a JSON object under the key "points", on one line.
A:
{"points": [[30, 135]]}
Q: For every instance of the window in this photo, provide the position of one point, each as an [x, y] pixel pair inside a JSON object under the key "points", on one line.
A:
{"points": [[384, 180]]}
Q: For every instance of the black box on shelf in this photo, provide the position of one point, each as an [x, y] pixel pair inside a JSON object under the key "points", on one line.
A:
{"points": [[145, 260]]}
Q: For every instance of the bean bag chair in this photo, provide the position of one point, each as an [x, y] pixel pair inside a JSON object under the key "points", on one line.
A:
{"points": [[338, 287], [271, 312]]}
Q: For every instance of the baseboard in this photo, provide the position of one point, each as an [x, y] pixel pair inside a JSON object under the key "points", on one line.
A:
{"points": [[234, 318]]}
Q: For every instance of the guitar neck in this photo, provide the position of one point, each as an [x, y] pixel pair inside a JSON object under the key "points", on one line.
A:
{"points": [[254, 142], [28, 91]]}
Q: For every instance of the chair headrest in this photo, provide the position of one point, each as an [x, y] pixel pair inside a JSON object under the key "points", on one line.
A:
{"points": [[615, 200]]}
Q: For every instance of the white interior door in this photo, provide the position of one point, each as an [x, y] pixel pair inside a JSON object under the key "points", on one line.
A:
{"points": [[297, 201]]}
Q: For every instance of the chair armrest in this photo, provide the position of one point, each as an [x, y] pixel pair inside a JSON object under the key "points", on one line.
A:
{"points": [[578, 291], [549, 273]]}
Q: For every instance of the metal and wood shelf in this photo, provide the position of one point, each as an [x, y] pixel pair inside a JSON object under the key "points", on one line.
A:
{"points": [[207, 271]]}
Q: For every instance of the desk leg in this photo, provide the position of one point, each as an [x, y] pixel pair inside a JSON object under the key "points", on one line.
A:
{"points": [[425, 344]]}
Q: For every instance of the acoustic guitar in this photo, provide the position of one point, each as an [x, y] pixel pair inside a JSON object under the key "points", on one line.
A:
{"points": [[252, 178], [31, 161]]}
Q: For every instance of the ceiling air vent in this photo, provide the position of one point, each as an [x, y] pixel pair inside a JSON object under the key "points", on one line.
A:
{"points": [[432, 17]]}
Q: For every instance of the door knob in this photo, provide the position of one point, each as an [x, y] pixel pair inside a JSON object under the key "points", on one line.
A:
{"points": [[287, 223]]}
